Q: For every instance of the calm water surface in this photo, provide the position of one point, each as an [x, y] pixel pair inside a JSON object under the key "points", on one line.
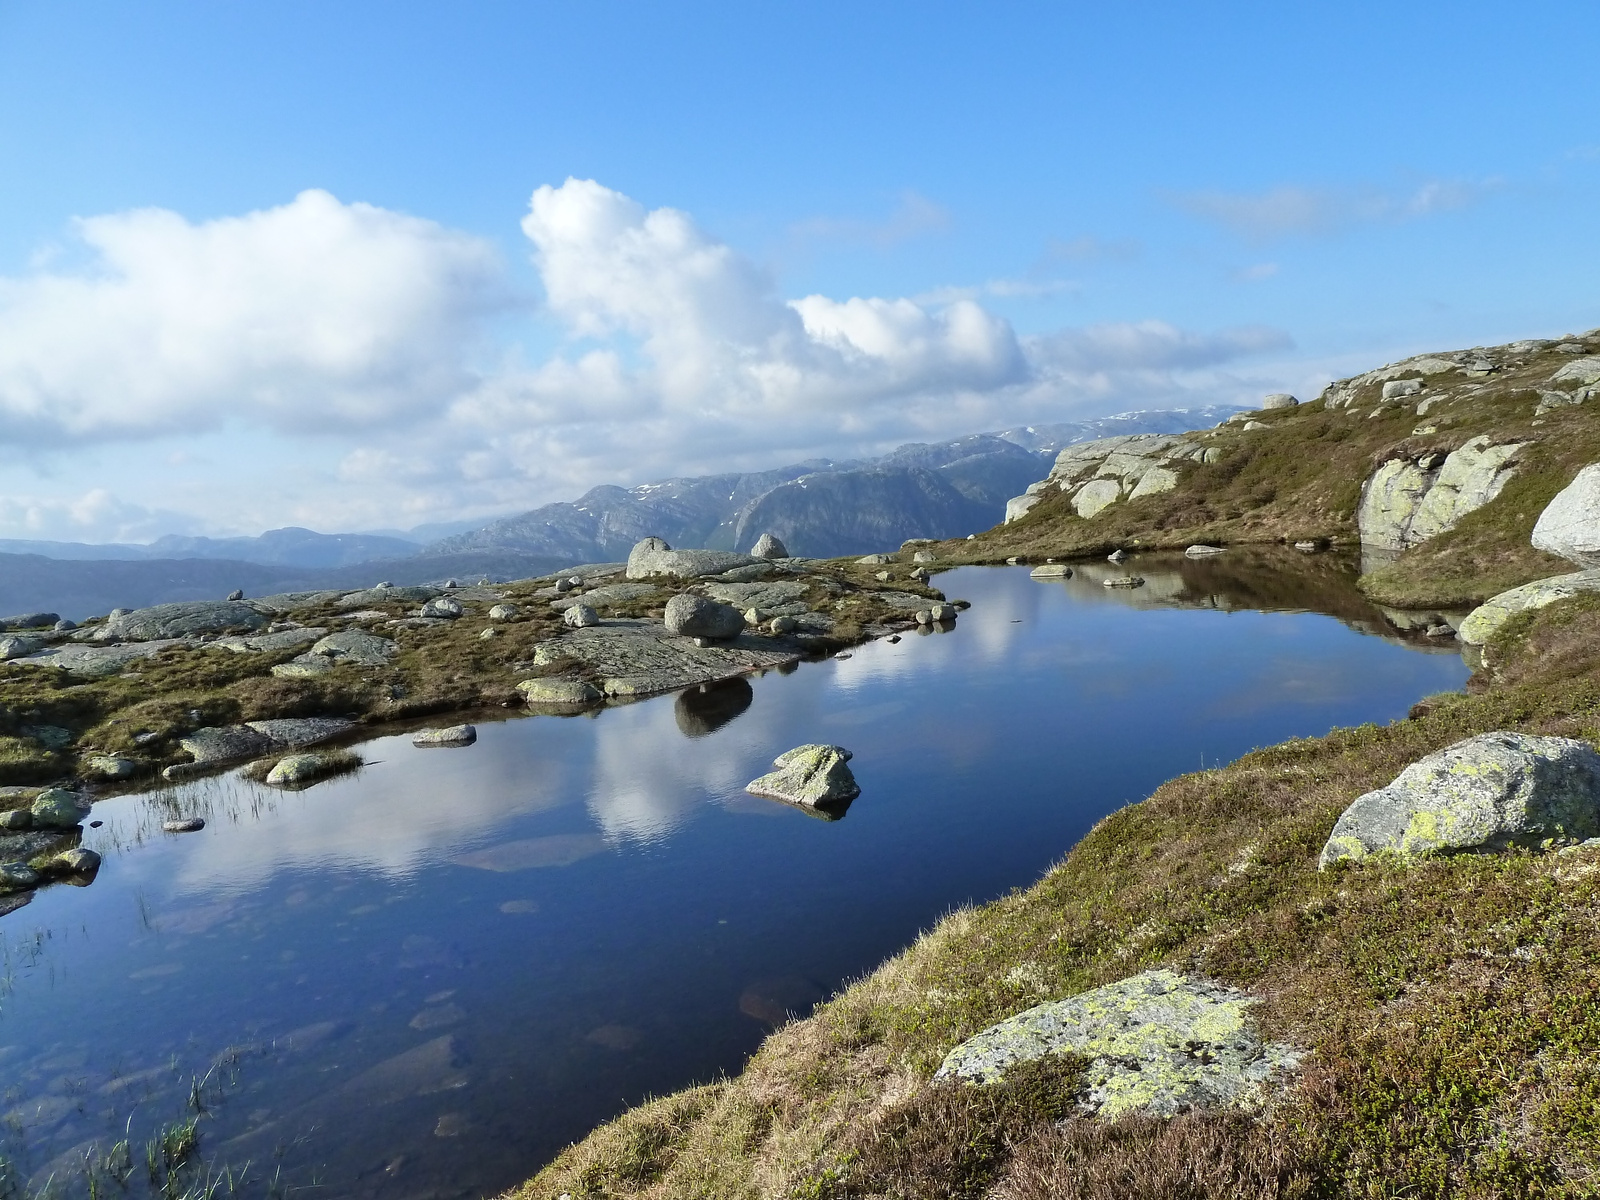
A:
{"points": [[425, 979]]}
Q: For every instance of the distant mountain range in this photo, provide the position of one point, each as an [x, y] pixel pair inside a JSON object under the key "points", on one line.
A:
{"points": [[819, 508]]}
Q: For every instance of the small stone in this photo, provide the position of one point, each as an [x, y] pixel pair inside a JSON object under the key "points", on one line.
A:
{"points": [[1117, 556], [696, 616], [1307, 547], [443, 606], [502, 612], [452, 583], [924, 616], [1013, 561], [810, 775], [893, 638], [1051, 571], [768, 546], [236, 594], [1200, 550], [564, 586], [922, 556], [64, 626], [782, 625], [565, 692], [450, 735], [185, 825], [1398, 389], [1250, 426], [882, 576], [580, 616], [488, 634]]}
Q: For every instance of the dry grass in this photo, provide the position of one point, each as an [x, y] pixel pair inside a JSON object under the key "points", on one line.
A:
{"points": [[1452, 1007]]}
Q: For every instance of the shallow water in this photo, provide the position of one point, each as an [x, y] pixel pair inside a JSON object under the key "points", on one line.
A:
{"points": [[424, 979]]}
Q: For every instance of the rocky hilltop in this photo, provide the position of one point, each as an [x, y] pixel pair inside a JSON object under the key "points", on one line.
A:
{"points": [[1438, 466]]}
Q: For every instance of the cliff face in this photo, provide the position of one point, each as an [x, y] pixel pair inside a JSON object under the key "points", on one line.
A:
{"points": [[1439, 465]]}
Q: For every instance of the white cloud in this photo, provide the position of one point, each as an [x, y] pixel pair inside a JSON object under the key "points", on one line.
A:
{"points": [[681, 356], [311, 316], [1292, 209], [94, 516]]}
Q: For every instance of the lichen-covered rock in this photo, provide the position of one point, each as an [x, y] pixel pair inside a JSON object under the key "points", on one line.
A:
{"points": [[356, 646], [225, 743], [76, 861], [110, 766], [1569, 526], [1153, 482], [187, 618], [810, 775], [15, 876], [700, 616], [768, 546], [580, 616], [1483, 622], [1405, 502], [452, 735], [653, 557], [298, 770], [57, 808], [1096, 495], [1485, 793], [559, 692], [446, 607], [1157, 1043]]}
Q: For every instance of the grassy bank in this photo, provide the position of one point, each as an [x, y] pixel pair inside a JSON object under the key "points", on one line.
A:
{"points": [[1450, 1006], [1299, 478]]}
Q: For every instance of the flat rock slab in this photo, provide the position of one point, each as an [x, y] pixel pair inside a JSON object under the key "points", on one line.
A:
{"points": [[640, 658], [782, 597], [267, 643], [370, 597], [185, 619], [98, 662], [452, 735], [1158, 1043], [609, 593], [646, 562], [1485, 793], [287, 602], [231, 743], [1484, 622]]}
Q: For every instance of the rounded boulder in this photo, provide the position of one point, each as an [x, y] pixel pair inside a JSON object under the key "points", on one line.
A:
{"points": [[697, 616]]}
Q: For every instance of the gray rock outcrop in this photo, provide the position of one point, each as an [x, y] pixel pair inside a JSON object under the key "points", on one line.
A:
{"points": [[653, 558], [811, 775], [1157, 1043], [1098, 474], [1483, 622], [700, 616], [768, 546], [1407, 501], [632, 658], [185, 619], [1485, 793], [1569, 526]]}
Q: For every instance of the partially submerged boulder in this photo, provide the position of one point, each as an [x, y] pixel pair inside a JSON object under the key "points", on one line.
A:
{"points": [[301, 770], [1158, 1043], [1486, 793], [810, 775], [1051, 571], [1483, 622], [452, 735], [1570, 524]]}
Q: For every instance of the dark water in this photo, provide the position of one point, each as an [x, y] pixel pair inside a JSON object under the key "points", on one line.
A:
{"points": [[425, 979]]}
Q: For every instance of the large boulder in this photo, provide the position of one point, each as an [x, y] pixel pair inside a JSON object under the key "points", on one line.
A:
{"points": [[1570, 524], [188, 618], [698, 616], [580, 616], [1485, 793], [1405, 502], [19, 645], [810, 775], [1158, 1043], [1279, 400], [1483, 622], [653, 558], [768, 546]]}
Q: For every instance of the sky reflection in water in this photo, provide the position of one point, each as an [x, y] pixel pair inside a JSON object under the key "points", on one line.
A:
{"points": [[424, 979]]}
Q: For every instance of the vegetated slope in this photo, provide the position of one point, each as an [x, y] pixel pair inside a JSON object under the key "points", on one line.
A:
{"points": [[1451, 1007], [1300, 476]]}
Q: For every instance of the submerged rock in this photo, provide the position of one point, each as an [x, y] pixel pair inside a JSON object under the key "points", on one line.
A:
{"points": [[452, 735], [1483, 622], [1485, 793], [697, 616], [1157, 1043], [809, 775]]}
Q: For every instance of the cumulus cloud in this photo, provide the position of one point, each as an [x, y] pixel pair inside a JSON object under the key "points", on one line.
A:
{"points": [[96, 515], [1308, 210], [676, 354], [314, 315]]}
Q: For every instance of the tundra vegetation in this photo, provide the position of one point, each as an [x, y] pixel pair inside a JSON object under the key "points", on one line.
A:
{"points": [[1444, 1006]]}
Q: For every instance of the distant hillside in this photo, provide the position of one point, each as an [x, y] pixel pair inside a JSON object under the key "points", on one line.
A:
{"points": [[288, 547]]}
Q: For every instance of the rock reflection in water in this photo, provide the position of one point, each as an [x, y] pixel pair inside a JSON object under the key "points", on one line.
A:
{"points": [[707, 708]]}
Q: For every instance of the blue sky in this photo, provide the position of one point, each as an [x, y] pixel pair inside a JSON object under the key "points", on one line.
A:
{"points": [[273, 264]]}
